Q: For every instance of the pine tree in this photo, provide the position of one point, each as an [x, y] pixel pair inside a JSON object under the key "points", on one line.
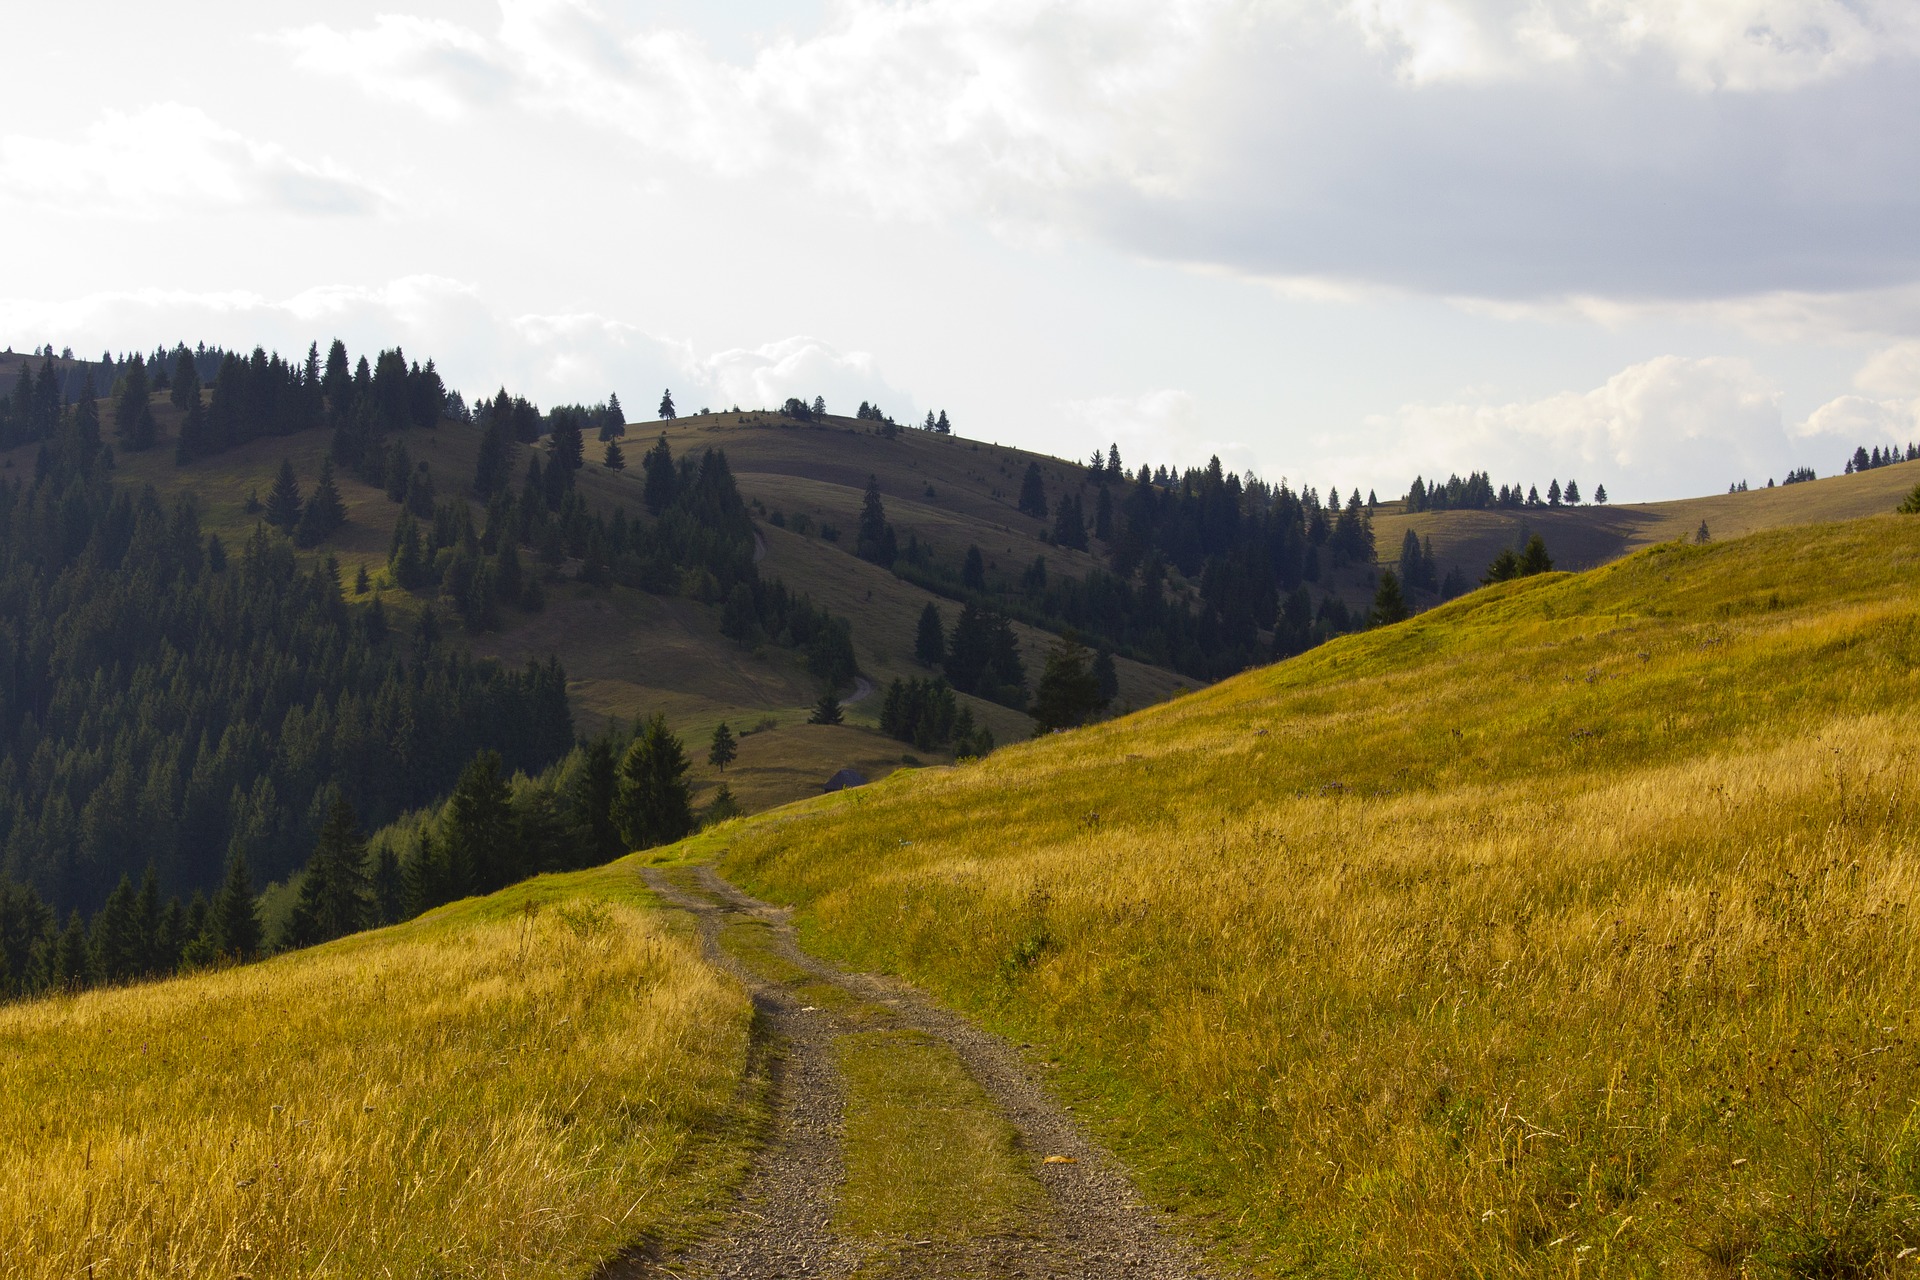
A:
{"points": [[1389, 606], [944, 427], [1033, 493], [72, 966], [662, 480], [827, 710], [492, 471], [386, 887], [185, 390], [655, 804], [283, 501], [930, 641], [1069, 692], [594, 795], [132, 413], [666, 407], [334, 899], [722, 752], [1573, 493], [1553, 493], [1600, 495], [477, 828], [1534, 559], [233, 922], [324, 512], [1505, 568], [116, 937], [616, 460], [874, 540]]}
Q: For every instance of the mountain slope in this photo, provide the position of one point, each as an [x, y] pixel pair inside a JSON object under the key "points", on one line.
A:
{"points": [[1568, 924]]}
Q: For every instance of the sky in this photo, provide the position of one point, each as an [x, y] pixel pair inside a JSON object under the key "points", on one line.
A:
{"points": [[1661, 245]]}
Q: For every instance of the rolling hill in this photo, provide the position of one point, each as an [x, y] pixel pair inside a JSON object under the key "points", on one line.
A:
{"points": [[1564, 928]]}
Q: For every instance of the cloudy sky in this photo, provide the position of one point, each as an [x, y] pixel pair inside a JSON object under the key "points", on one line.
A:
{"points": [[1660, 244]]}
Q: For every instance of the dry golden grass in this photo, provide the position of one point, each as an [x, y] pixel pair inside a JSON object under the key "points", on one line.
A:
{"points": [[1567, 929], [513, 1086]]}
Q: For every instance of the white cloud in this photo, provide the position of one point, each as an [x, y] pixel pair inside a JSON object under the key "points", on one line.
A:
{"points": [[1508, 149], [549, 358], [1666, 427], [1160, 427], [435, 65], [171, 159], [1894, 371], [1741, 45], [1852, 421]]}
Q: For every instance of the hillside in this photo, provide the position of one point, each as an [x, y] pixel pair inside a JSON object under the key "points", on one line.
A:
{"points": [[519, 1085], [1564, 927], [628, 652], [1585, 536]]}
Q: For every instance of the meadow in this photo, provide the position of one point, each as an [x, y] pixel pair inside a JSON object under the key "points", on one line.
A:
{"points": [[1566, 929], [518, 1085]]}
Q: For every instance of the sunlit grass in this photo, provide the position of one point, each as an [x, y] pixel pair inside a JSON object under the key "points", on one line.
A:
{"points": [[518, 1085], [1566, 929]]}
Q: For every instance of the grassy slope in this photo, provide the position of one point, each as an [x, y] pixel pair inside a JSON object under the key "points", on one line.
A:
{"points": [[1582, 537], [515, 1085], [1564, 928]]}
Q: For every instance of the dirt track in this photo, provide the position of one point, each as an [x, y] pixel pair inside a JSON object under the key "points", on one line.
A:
{"points": [[1092, 1223]]}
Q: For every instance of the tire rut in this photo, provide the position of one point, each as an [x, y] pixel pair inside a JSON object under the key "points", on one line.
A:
{"points": [[1093, 1224]]}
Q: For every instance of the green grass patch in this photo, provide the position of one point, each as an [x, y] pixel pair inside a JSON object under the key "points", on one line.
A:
{"points": [[928, 1155]]}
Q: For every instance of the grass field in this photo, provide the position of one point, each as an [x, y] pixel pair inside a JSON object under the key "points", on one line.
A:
{"points": [[1564, 930], [511, 1086]]}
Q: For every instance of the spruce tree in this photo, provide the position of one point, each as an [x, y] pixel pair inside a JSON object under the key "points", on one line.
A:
{"points": [[1600, 495], [1069, 692], [333, 900], [1553, 493], [283, 501], [185, 390], [116, 938], [595, 793], [72, 966], [655, 806], [1033, 493], [930, 641], [324, 512], [723, 751], [973, 571], [477, 828], [666, 407], [1505, 568], [874, 540], [1573, 493], [233, 922], [662, 480], [132, 413], [1389, 606], [827, 710], [616, 460]]}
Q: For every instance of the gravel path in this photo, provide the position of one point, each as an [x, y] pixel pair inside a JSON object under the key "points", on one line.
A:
{"points": [[1093, 1224]]}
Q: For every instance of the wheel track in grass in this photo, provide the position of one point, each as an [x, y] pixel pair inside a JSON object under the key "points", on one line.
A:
{"points": [[1083, 1218]]}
